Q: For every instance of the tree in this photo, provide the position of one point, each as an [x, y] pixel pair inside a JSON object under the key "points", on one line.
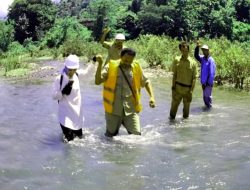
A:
{"points": [[99, 24], [66, 29], [135, 6], [32, 18], [242, 8], [6, 35], [129, 23], [68, 8], [104, 13]]}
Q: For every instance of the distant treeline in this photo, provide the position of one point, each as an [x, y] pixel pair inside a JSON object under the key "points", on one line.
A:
{"points": [[153, 27], [174, 18]]}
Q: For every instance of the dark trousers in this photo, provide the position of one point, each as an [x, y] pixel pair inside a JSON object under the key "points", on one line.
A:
{"points": [[71, 134]]}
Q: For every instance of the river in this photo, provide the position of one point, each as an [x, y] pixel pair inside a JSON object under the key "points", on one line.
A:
{"points": [[210, 150]]}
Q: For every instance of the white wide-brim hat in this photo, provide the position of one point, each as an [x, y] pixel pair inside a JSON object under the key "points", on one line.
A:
{"points": [[72, 62], [119, 37], [205, 47]]}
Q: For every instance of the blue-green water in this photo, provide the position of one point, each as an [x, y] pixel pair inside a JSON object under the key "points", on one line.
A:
{"points": [[211, 150]]}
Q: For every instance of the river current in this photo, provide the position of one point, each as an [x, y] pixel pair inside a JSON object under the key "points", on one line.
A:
{"points": [[210, 150]]}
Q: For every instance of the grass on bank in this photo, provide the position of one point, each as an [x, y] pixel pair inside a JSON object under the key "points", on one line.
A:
{"points": [[232, 58]]}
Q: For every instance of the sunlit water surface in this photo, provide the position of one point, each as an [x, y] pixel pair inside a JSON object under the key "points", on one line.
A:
{"points": [[210, 150]]}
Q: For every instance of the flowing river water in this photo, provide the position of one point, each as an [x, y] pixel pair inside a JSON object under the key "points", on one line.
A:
{"points": [[210, 150]]}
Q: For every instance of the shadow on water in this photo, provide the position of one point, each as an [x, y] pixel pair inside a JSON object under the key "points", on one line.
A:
{"points": [[210, 150]]}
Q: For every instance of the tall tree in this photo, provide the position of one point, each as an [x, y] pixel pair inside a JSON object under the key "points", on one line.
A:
{"points": [[71, 7], [242, 8], [32, 18], [99, 24]]}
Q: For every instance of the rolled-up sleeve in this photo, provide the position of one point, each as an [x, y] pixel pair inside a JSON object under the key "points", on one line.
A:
{"points": [[106, 44]]}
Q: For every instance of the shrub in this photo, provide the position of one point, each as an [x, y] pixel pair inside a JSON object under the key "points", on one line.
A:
{"points": [[155, 50]]}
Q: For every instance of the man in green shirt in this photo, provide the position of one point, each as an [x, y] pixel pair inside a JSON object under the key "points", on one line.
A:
{"points": [[184, 77], [122, 81], [114, 48]]}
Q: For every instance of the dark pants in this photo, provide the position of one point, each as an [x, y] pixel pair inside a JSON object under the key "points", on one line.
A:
{"points": [[207, 95], [71, 134]]}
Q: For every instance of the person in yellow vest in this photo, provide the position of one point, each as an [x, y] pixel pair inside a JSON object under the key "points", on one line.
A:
{"points": [[184, 77], [114, 48], [122, 81]]}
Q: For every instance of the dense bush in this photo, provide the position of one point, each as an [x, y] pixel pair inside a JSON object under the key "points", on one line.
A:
{"points": [[67, 29], [231, 59], [155, 50], [6, 35]]}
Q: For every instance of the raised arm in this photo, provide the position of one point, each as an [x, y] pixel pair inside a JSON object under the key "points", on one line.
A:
{"points": [[196, 52], [104, 34]]}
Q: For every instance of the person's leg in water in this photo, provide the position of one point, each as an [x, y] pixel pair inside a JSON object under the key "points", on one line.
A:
{"points": [[132, 124], [68, 133], [78, 133], [113, 123], [176, 100]]}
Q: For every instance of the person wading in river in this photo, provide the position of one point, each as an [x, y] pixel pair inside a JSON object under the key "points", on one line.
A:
{"points": [[66, 91], [184, 76], [207, 75], [114, 48], [122, 80]]}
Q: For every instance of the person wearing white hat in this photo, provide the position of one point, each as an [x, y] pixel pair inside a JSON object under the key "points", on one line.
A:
{"points": [[207, 75], [66, 91], [114, 48]]}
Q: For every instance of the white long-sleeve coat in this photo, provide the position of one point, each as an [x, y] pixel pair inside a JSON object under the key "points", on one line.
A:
{"points": [[70, 111]]}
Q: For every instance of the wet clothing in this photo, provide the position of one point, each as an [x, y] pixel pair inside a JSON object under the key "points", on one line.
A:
{"points": [[113, 52], [70, 112], [207, 96], [131, 123], [180, 93], [184, 77], [70, 134], [133, 74], [207, 75], [124, 109]]}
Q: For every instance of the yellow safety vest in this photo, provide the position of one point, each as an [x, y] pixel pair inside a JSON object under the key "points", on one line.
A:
{"points": [[110, 84]]}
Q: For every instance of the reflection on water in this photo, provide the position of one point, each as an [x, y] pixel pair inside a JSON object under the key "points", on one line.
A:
{"points": [[208, 151]]}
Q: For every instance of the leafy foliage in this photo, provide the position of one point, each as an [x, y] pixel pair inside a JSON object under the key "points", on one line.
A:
{"points": [[65, 30], [31, 18], [6, 35]]}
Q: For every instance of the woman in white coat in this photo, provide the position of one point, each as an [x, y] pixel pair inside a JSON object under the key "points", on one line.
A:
{"points": [[66, 91]]}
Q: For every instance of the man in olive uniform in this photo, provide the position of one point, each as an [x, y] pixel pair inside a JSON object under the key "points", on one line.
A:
{"points": [[114, 48], [122, 80], [184, 77]]}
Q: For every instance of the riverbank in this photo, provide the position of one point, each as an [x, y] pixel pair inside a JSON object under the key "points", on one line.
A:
{"points": [[49, 68]]}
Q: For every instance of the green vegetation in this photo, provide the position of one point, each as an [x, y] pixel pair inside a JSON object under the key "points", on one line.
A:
{"points": [[41, 28]]}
